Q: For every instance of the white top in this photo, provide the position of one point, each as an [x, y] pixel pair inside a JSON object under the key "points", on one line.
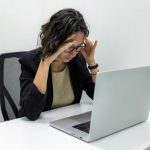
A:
{"points": [[62, 90], [22, 134]]}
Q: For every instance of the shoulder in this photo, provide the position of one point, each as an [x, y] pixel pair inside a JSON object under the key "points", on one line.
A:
{"points": [[31, 59], [31, 55]]}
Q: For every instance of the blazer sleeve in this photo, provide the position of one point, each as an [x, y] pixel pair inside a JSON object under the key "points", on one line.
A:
{"points": [[31, 100], [88, 84]]}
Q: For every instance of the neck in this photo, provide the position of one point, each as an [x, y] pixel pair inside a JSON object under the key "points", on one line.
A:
{"points": [[57, 66]]}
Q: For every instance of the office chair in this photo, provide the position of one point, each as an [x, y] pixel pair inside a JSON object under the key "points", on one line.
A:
{"points": [[10, 70]]}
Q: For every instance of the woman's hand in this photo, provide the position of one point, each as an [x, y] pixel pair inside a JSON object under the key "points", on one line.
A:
{"points": [[89, 52], [48, 60]]}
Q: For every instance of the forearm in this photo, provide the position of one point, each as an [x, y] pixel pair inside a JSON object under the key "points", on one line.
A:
{"points": [[41, 76]]}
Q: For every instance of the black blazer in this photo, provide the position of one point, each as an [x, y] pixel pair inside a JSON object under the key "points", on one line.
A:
{"points": [[33, 102]]}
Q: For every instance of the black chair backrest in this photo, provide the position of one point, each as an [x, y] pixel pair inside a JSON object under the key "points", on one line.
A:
{"points": [[10, 70]]}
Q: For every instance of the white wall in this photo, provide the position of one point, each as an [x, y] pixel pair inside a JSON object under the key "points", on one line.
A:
{"points": [[20, 22], [123, 31], [122, 27]]}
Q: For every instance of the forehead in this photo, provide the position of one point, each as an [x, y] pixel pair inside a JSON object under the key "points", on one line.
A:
{"points": [[78, 36]]}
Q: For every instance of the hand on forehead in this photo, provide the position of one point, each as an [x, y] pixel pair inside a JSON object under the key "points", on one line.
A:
{"points": [[77, 38]]}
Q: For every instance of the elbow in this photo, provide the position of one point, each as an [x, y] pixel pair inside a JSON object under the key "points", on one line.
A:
{"points": [[32, 117], [32, 112], [32, 105]]}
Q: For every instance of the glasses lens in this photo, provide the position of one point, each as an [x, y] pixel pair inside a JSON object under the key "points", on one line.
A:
{"points": [[81, 47], [69, 50], [77, 49]]}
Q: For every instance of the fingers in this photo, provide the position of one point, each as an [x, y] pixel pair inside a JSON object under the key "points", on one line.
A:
{"points": [[95, 45], [90, 45], [89, 42], [67, 45]]}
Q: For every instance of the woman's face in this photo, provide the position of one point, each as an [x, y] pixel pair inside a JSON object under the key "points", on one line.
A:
{"points": [[69, 54]]}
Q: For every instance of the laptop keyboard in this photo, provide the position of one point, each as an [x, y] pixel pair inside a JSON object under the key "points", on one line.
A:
{"points": [[85, 127]]}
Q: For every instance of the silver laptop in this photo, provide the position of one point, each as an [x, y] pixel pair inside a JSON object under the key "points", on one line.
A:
{"points": [[121, 100]]}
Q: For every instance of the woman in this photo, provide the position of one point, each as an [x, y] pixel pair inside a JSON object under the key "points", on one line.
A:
{"points": [[56, 74]]}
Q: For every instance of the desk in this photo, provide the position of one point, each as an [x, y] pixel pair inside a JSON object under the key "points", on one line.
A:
{"points": [[22, 134]]}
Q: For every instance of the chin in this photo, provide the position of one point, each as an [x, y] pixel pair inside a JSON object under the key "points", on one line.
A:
{"points": [[66, 60]]}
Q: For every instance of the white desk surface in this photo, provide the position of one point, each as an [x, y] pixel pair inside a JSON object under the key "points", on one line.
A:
{"points": [[22, 134]]}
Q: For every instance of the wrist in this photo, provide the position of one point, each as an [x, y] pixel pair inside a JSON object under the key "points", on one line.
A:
{"points": [[93, 67], [44, 63], [91, 62], [94, 71]]}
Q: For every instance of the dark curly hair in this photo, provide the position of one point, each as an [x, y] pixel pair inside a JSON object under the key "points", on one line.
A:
{"points": [[60, 26]]}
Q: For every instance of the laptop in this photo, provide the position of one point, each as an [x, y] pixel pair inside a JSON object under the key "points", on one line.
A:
{"points": [[121, 100]]}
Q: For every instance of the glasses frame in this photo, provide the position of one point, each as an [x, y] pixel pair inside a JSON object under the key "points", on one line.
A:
{"points": [[77, 49]]}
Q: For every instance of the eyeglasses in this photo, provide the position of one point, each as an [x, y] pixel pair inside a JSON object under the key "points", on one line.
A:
{"points": [[77, 49]]}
